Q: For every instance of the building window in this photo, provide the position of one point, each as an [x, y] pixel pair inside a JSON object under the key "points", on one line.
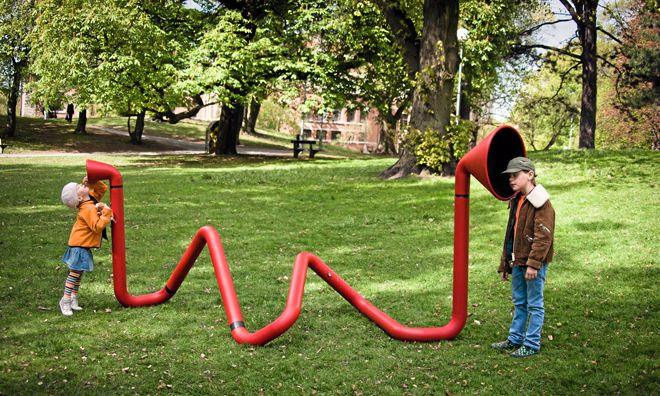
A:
{"points": [[351, 116], [336, 115], [336, 135], [364, 115]]}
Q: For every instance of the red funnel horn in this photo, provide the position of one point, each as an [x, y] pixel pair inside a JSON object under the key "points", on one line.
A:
{"points": [[489, 159]]}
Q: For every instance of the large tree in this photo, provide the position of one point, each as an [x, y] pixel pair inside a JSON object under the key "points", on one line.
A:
{"points": [[124, 56], [247, 47], [16, 23], [367, 61], [583, 13], [432, 56], [353, 63]]}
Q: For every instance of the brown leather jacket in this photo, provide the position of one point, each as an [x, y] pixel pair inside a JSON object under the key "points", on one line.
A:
{"points": [[534, 236]]}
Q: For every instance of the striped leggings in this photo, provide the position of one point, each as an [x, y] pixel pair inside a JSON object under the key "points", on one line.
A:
{"points": [[72, 283]]}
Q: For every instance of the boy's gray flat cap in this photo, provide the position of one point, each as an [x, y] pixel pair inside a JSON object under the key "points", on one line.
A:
{"points": [[520, 164]]}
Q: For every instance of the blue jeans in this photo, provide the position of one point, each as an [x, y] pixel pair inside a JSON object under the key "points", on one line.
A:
{"points": [[528, 311]]}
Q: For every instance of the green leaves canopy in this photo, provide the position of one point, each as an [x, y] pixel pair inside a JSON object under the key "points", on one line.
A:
{"points": [[112, 53]]}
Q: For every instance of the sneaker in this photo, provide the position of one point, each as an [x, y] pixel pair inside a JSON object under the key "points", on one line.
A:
{"points": [[524, 351], [65, 306], [74, 304], [504, 345]]}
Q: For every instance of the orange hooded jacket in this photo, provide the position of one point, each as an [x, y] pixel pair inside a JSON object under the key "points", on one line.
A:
{"points": [[86, 231]]}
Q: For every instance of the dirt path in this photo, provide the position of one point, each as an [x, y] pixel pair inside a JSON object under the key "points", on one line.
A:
{"points": [[99, 141]]}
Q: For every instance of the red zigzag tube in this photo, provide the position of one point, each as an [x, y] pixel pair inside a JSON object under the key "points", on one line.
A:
{"points": [[485, 162]]}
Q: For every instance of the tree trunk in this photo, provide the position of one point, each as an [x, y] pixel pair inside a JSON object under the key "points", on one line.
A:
{"points": [[136, 135], [81, 127], [405, 166], [437, 63], [12, 101], [251, 116], [224, 138], [386, 137], [211, 130], [587, 31]]}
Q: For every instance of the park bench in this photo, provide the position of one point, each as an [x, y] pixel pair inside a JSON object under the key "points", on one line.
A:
{"points": [[299, 146], [3, 146]]}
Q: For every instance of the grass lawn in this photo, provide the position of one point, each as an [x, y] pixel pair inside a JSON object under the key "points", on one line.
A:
{"points": [[391, 240]]}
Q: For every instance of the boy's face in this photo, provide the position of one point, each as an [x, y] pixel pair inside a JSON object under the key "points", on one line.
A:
{"points": [[522, 181]]}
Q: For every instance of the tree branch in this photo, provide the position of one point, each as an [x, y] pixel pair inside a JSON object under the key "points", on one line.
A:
{"points": [[563, 76], [403, 31], [537, 27], [547, 47], [174, 118], [571, 9], [615, 67], [610, 35]]}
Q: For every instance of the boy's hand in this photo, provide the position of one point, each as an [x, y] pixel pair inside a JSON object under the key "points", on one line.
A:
{"points": [[85, 181], [531, 273]]}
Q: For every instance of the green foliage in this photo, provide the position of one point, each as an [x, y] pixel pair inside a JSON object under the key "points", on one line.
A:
{"points": [[630, 109], [234, 59], [493, 27], [16, 23], [275, 117], [118, 55], [433, 149], [358, 60], [391, 240], [548, 104]]}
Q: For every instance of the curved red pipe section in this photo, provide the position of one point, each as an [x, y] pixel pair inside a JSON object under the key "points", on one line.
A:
{"points": [[208, 236]]}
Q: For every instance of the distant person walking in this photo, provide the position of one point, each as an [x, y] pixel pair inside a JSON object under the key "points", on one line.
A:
{"points": [[69, 113]]}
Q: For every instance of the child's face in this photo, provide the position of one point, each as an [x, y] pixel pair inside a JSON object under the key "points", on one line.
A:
{"points": [[83, 192], [522, 181]]}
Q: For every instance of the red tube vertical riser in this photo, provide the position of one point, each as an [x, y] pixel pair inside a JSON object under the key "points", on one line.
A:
{"points": [[118, 244], [100, 171], [461, 250]]}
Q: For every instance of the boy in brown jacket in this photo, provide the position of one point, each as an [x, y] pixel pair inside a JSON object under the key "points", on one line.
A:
{"points": [[528, 249]]}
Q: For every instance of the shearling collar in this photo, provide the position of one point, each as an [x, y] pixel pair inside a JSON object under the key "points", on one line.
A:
{"points": [[538, 196]]}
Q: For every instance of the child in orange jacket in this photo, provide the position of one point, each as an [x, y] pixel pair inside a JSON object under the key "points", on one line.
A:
{"points": [[86, 233]]}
